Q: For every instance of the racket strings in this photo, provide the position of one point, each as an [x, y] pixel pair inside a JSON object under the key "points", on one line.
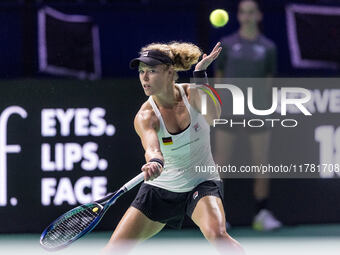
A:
{"points": [[69, 227]]}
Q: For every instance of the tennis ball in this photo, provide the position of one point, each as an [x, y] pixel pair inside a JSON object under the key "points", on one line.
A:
{"points": [[219, 17]]}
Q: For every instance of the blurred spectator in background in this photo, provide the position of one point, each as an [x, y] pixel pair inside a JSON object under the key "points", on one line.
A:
{"points": [[247, 53]]}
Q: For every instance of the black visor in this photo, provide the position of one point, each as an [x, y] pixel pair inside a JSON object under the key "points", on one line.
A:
{"points": [[151, 58]]}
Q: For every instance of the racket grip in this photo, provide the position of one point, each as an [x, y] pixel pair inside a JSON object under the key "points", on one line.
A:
{"points": [[133, 182]]}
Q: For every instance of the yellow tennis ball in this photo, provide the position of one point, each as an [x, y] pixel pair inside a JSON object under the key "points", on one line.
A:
{"points": [[219, 18]]}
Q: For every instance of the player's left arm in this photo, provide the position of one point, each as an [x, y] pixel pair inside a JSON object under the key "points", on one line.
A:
{"points": [[201, 91]]}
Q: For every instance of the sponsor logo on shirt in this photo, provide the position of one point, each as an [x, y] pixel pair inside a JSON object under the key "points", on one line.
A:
{"points": [[197, 127], [195, 195]]}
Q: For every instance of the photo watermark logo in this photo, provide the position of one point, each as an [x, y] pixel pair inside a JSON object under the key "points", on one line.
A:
{"points": [[304, 113], [245, 106]]}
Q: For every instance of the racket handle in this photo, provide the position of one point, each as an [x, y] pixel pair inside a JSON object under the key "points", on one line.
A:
{"points": [[133, 182]]}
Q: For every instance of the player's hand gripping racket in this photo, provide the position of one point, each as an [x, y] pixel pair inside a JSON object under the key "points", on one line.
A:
{"points": [[79, 221]]}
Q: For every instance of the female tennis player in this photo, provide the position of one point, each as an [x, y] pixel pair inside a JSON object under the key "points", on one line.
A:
{"points": [[176, 139]]}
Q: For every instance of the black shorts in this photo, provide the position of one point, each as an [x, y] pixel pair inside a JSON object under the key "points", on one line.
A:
{"points": [[171, 207]]}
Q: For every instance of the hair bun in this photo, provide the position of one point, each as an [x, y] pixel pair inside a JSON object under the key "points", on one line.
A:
{"points": [[184, 55]]}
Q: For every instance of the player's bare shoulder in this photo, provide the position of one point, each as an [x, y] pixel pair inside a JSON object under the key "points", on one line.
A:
{"points": [[146, 118], [191, 90]]}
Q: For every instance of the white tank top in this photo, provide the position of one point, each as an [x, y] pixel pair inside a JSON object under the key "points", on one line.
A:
{"points": [[184, 153]]}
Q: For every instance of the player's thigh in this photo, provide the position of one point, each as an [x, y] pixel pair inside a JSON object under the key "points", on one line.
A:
{"points": [[209, 216], [135, 226]]}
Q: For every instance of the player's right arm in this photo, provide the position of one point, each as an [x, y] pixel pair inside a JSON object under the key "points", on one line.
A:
{"points": [[146, 125]]}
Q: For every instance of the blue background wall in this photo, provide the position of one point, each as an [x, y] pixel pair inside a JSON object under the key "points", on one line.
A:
{"points": [[126, 26]]}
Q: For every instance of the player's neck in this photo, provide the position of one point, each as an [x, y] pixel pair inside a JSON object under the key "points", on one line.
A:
{"points": [[168, 98], [249, 33]]}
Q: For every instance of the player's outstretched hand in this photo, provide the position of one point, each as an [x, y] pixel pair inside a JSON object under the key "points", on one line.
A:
{"points": [[151, 170], [208, 59]]}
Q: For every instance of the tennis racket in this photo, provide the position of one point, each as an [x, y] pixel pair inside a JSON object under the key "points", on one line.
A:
{"points": [[79, 221]]}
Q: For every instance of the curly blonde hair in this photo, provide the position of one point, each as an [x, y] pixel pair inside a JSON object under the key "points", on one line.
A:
{"points": [[183, 54]]}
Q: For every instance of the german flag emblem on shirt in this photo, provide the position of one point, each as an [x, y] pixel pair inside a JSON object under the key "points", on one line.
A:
{"points": [[167, 140]]}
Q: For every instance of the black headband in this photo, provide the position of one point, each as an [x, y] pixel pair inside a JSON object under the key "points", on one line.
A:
{"points": [[151, 58]]}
